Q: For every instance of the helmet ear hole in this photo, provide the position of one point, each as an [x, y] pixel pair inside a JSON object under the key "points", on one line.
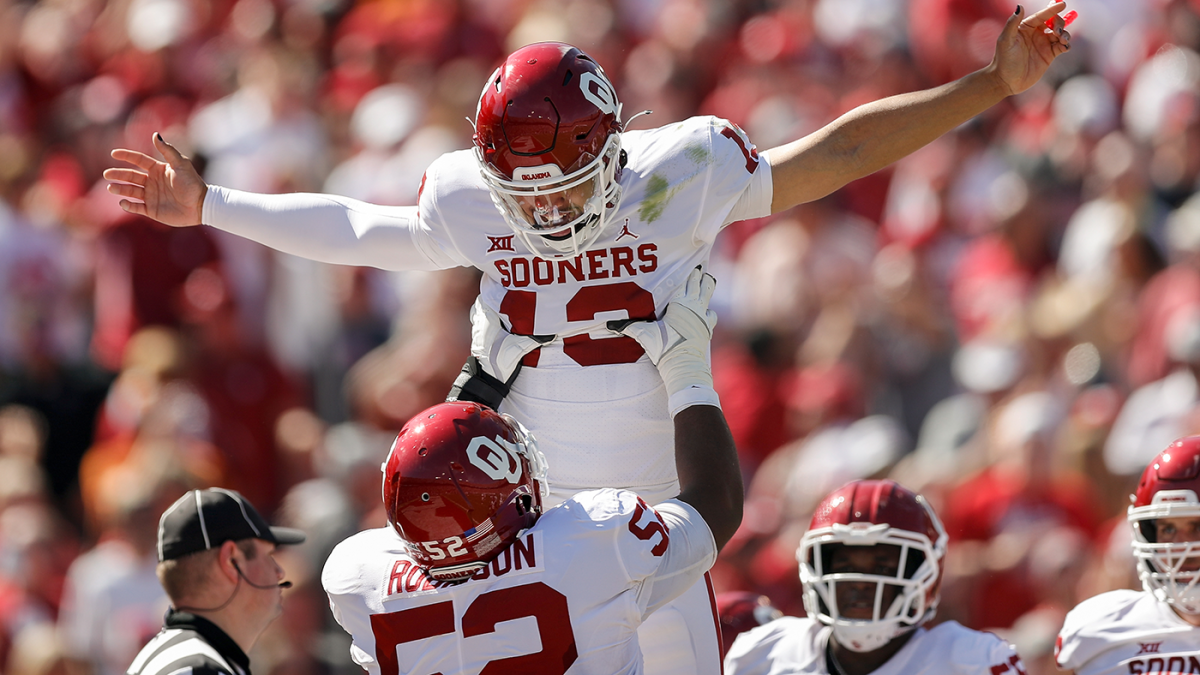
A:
{"points": [[524, 504]]}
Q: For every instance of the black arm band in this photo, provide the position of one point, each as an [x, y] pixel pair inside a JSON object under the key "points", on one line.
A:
{"points": [[473, 384]]}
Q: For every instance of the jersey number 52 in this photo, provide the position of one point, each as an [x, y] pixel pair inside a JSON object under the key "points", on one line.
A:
{"points": [[537, 599]]}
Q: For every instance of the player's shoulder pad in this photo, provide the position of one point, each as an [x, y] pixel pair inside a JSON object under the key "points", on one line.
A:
{"points": [[616, 520], [752, 649], [732, 145], [1087, 628], [681, 136], [965, 650], [785, 627], [605, 508], [345, 566], [451, 174]]}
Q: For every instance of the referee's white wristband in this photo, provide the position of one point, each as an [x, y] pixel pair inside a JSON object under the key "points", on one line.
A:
{"points": [[693, 395]]}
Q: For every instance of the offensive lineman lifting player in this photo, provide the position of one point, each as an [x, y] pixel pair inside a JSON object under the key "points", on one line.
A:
{"points": [[481, 580], [573, 220]]}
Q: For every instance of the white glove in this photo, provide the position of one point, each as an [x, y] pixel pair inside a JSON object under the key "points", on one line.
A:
{"points": [[678, 343], [498, 351]]}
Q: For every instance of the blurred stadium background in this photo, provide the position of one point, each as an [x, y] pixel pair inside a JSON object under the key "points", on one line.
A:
{"points": [[1007, 321]]}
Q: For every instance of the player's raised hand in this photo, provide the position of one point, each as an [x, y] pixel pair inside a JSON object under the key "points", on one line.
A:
{"points": [[170, 192], [686, 320], [1027, 46], [678, 343]]}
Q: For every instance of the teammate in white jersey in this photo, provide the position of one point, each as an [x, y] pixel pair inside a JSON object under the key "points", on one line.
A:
{"points": [[871, 570], [576, 222], [471, 576], [1155, 630]]}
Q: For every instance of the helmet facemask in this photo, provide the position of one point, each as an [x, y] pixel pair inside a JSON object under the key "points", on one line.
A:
{"points": [[555, 214], [1170, 571], [902, 598]]}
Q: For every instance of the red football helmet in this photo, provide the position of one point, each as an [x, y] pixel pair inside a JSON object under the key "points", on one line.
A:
{"points": [[740, 611], [460, 483], [547, 137], [873, 513], [1169, 488]]}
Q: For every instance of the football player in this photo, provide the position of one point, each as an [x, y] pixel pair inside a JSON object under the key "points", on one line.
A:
{"points": [[471, 575], [576, 222], [1157, 629], [871, 570]]}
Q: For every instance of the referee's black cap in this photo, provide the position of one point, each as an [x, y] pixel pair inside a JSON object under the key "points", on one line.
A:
{"points": [[205, 519]]}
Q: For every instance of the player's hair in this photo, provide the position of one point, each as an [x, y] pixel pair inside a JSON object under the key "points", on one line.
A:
{"points": [[181, 577]]}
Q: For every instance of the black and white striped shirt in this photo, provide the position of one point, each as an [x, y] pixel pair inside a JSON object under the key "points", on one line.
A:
{"points": [[190, 645]]}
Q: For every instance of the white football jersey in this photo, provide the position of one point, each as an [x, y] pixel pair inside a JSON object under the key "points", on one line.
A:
{"points": [[1127, 632], [793, 646], [565, 598], [683, 183]]}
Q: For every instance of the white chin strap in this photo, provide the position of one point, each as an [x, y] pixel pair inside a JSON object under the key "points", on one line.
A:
{"points": [[867, 636], [1189, 601], [863, 637]]}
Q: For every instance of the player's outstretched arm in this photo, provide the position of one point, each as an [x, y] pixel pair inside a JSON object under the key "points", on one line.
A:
{"points": [[710, 478], [170, 192], [325, 228], [876, 134]]}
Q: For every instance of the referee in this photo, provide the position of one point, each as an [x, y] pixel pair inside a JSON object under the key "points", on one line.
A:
{"points": [[216, 562]]}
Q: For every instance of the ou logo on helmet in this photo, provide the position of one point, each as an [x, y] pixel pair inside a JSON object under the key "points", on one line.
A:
{"points": [[602, 95], [498, 458]]}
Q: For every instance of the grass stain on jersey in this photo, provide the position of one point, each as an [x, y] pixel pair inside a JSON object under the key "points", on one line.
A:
{"points": [[658, 193], [698, 154]]}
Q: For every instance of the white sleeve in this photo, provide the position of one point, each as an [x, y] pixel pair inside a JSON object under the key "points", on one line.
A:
{"points": [[691, 551], [341, 578], [1003, 657], [752, 652], [330, 229], [755, 202]]}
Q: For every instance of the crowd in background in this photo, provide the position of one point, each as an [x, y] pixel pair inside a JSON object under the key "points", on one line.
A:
{"points": [[1007, 321]]}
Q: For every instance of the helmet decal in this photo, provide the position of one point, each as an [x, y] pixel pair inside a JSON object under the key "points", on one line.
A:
{"points": [[496, 458], [603, 96]]}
